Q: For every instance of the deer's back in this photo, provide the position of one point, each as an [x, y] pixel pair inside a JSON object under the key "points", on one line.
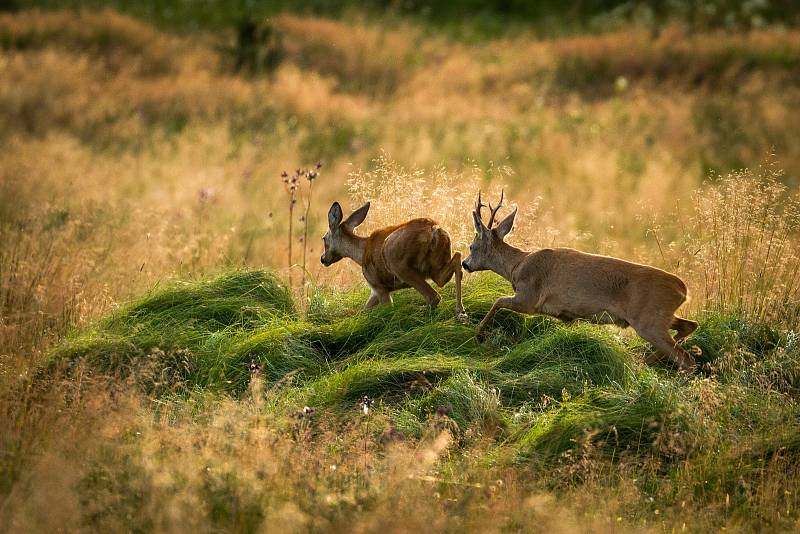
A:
{"points": [[419, 243], [589, 280]]}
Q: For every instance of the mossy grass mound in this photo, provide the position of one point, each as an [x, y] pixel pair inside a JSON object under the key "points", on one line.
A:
{"points": [[540, 387]]}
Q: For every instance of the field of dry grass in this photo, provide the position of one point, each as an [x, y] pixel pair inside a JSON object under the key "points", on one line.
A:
{"points": [[133, 156]]}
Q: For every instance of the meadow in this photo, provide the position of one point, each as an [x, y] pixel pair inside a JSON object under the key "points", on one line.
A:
{"points": [[167, 364]]}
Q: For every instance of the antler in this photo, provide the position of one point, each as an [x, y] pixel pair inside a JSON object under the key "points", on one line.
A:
{"points": [[494, 210], [479, 205]]}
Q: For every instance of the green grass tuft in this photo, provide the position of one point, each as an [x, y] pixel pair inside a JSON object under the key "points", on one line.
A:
{"points": [[541, 388], [617, 421]]}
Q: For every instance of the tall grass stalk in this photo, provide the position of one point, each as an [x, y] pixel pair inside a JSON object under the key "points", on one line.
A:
{"points": [[744, 244], [311, 176], [291, 185]]}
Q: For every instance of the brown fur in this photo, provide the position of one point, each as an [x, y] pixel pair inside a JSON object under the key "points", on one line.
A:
{"points": [[395, 257], [571, 285]]}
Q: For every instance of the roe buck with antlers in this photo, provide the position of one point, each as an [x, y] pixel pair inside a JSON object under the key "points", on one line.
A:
{"points": [[395, 257], [570, 285]]}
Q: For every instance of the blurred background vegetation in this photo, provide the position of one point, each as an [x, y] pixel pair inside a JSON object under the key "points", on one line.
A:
{"points": [[467, 18], [149, 138]]}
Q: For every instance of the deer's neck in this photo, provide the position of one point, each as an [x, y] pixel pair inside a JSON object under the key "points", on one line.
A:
{"points": [[354, 247], [505, 259]]}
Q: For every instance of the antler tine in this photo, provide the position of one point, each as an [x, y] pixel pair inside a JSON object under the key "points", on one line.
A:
{"points": [[479, 205], [495, 210]]}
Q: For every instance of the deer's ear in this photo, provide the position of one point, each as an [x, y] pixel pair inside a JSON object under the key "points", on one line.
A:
{"points": [[480, 228], [505, 226], [357, 217], [334, 216]]}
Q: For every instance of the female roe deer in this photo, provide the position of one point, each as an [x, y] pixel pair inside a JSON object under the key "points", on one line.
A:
{"points": [[395, 257], [570, 285]]}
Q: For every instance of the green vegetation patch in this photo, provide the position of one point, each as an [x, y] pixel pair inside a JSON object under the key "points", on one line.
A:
{"points": [[540, 387], [618, 421], [186, 334]]}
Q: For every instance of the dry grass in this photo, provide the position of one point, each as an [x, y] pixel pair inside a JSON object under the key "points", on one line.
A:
{"points": [[741, 244], [132, 156], [117, 465], [98, 457]]}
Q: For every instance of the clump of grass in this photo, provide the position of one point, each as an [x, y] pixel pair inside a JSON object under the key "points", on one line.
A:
{"points": [[239, 298], [182, 330], [552, 378], [468, 400], [385, 377], [279, 350], [718, 334], [619, 421], [744, 234]]}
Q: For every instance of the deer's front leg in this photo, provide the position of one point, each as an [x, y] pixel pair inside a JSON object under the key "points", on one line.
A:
{"points": [[509, 303], [378, 296]]}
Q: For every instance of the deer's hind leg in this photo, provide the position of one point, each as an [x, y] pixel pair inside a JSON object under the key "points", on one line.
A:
{"points": [[453, 267], [418, 282], [684, 328], [658, 335]]}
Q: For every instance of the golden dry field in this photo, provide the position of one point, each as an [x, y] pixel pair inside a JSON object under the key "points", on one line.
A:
{"points": [[158, 346]]}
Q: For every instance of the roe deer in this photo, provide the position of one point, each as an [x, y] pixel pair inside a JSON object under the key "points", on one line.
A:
{"points": [[395, 257], [570, 285]]}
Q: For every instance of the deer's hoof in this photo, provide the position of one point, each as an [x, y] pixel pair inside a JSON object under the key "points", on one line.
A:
{"points": [[462, 317], [686, 366], [481, 335]]}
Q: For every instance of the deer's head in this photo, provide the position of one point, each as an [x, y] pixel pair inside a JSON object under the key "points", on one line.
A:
{"points": [[338, 239], [483, 246]]}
